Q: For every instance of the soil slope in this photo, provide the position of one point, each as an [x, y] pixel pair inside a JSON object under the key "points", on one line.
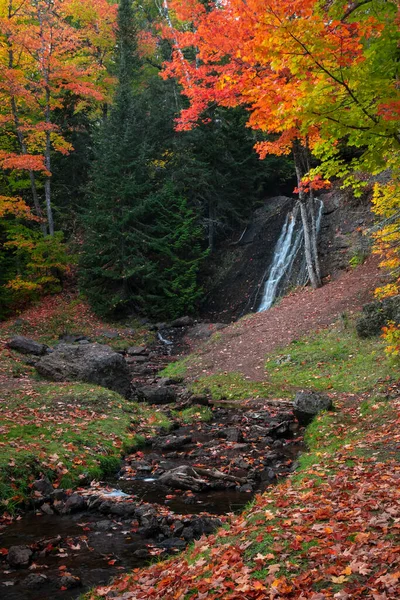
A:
{"points": [[242, 346]]}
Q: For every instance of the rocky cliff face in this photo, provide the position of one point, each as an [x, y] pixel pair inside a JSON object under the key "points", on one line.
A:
{"points": [[236, 273]]}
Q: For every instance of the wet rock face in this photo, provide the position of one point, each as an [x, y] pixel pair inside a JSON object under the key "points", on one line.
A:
{"points": [[376, 315], [27, 346], [308, 404], [89, 363]]}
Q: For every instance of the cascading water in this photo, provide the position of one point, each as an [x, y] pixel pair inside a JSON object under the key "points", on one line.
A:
{"points": [[290, 241]]}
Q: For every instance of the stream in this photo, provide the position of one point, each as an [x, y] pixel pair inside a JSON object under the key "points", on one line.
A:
{"points": [[156, 504]]}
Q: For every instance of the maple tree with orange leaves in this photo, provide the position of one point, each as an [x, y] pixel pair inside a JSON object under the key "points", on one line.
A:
{"points": [[309, 74]]}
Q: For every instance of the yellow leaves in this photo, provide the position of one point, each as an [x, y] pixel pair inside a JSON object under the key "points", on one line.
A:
{"points": [[386, 205], [15, 206], [340, 579]]}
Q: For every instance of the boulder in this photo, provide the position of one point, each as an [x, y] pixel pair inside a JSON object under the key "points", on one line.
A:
{"points": [[201, 399], [27, 346], [75, 503], [43, 486], [182, 322], [90, 363], [308, 404], [19, 556], [376, 315], [157, 394]]}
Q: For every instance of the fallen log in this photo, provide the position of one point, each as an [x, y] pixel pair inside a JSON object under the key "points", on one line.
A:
{"points": [[215, 474]]}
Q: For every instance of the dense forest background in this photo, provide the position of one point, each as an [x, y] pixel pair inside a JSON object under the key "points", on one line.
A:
{"points": [[98, 185]]}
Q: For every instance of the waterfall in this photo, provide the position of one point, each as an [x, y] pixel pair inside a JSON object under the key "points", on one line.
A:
{"points": [[290, 241]]}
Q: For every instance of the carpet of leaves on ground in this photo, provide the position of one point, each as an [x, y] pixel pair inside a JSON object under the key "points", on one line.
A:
{"points": [[331, 531]]}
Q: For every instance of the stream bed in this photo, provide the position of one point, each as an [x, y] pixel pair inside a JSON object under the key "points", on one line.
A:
{"points": [[185, 484]]}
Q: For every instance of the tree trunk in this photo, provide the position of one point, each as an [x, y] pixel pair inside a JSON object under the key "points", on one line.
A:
{"points": [[21, 140], [211, 225], [314, 234], [307, 209], [47, 114], [47, 184]]}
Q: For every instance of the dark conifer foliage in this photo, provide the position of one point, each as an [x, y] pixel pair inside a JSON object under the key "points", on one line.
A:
{"points": [[141, 246]]}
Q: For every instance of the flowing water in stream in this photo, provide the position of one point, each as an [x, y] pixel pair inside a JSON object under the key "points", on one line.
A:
{"points": [[132, 516]]}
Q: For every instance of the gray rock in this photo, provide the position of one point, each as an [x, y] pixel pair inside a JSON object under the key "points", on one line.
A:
{"points": [[43, 486], [103, 525], [19, 556], [157, 395], [231, 434], [46, 509], [110, 334], [169, 380], [35, 581], [182, 322], [203, 331], [122, 509], [188, 534], [376, 315], [308, 404], [71, 338], [247, 487], [267, 475], [70, 582], [173, 544], [75, 503], [200, 399], [136, 350], [27, 346], [90, 363]]}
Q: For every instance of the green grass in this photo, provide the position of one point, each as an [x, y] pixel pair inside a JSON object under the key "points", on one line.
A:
{"points": [[194, 414], [71, 432], [333, 359], [230, 386], [176, 369]]}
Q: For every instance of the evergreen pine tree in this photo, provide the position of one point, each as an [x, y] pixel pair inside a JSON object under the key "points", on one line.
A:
{"points": [[141, 247]]}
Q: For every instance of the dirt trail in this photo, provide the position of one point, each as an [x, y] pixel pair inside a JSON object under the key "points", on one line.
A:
{"points": [[243, 345]]}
